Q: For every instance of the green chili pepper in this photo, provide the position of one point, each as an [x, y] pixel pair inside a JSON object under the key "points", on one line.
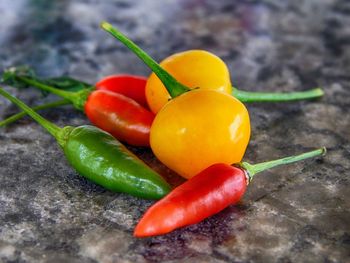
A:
{"points": [[98, 156]]}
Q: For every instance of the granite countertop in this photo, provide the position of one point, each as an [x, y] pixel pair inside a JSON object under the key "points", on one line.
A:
{"points": [[298, 213]]}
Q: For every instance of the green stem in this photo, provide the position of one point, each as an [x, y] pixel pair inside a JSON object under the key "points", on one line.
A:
{"points": [[174, 87], [64, 94], [253, 169], [54, 130], [20, 115], [78, 98], [247, 96]]}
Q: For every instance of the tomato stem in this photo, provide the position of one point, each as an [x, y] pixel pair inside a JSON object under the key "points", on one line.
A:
{"points": [[174, 87], [78, 98], [253, 169], [19, 115], [249, 96]]}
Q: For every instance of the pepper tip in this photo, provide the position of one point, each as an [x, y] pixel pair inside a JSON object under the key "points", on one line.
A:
{"points": [[320, 92], [138, 233]]}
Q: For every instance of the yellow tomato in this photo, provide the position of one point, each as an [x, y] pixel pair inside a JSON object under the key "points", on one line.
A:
{"points": [[200, 128], [194, 69]]}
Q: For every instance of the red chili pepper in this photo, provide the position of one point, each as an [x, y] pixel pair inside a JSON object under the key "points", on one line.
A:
{"points": [[129, 85], [119, 115], [209, 192]]}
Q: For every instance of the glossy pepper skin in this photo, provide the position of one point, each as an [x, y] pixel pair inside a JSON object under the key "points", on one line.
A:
{"points": [[98, 156], [115, 113], [204, 127], [119, 115], [131, 86], [192, 68], [206, 194]]}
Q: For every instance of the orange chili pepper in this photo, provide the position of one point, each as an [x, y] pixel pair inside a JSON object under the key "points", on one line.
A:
{"points": [[202, 69], [203, 126], [193, 68]]}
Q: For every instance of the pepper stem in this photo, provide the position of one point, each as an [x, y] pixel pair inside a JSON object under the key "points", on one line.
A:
{"points": [[248, 96], [174, 87], [78, 98], [54, 130], [253, 169], [20, 115]]}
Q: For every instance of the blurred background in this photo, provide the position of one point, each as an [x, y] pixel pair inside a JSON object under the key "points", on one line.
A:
{"points": [[64, 36], [299, 213]]}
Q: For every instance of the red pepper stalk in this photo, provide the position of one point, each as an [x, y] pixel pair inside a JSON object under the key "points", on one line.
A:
{"points": [[113, 112], [206, 194]]}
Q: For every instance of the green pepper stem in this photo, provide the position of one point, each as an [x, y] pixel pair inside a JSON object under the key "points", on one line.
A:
{"points": [[20, 115], [54, 130], [64, 94], [253, 169], [78, 98], [248, 96], [174, 87]]}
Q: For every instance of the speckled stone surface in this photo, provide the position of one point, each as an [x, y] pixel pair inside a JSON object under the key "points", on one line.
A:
{"points": [[298, 213]]}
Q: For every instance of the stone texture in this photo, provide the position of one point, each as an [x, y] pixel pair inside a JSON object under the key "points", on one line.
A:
{"points": [[298, 213]]}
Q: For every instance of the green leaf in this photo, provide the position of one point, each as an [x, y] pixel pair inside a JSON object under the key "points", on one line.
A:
{"points": [[10, 75], [66, 83], [11, 78]]}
